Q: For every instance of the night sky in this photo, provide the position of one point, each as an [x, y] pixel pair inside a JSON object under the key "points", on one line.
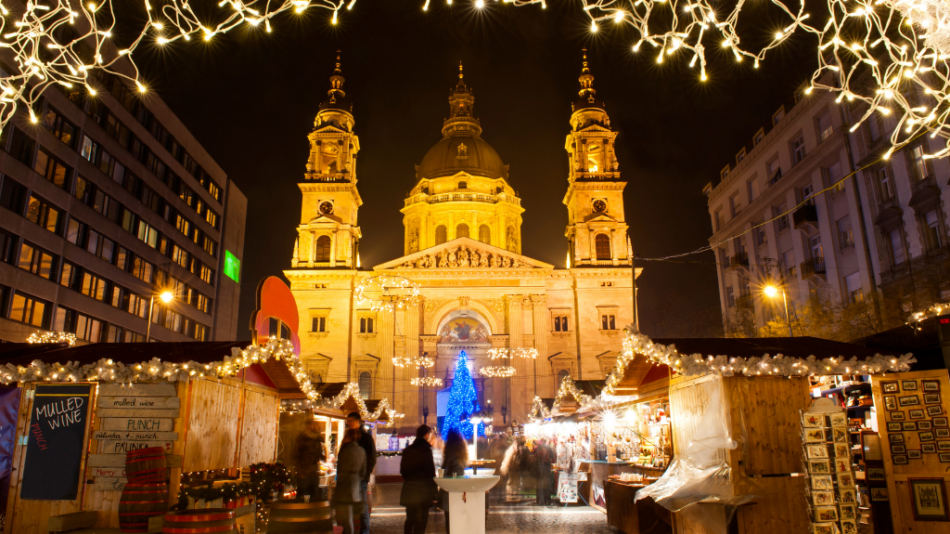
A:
{"points": [[250, 98]]}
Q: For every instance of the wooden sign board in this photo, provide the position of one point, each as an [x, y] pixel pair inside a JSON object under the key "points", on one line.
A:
{"points": [[138, 390], [122, 447], [147, 403], [110, 483], [113, 435], [118, 460], [125, 413], [138, 424], [105, 472]]}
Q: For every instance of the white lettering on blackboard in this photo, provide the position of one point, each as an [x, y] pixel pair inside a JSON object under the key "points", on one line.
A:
{"points": [[62, 413]]}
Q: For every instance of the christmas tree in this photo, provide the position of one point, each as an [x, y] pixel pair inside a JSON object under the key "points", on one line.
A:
{"points": [[463, 401]]}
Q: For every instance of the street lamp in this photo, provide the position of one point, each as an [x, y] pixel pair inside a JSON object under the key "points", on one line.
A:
{"points": [[164, 296], [771, 292]]}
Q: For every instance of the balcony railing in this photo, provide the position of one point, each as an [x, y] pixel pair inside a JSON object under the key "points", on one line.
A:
{"points": [[804, 215], [938, 255], [812, 266], [739, 261], [462, 197]]}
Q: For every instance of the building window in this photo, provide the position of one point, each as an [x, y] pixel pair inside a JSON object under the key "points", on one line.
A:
{"points": [[853, 284], [441, 236], [896, 243], [932, 234], [807, 194], [61, 128], [825, 128], [814, 245], [52, 169], [95, 286], [608, 321], [798, 150], [594, 159], [758, 137], [845, 233], [724, 172], [461, 230], [761, 236], [834, 178], [43, 214], [37, 261], [318, 324], [323, 248], [366, 385], [717, 219], [463, 185], [774, 171], [885, 185], [752, 189], [484, 234], [602, 246], [12, 195], [740, 156], [366, 325], [875, 128], [918, 164], [560, 323], [29, 310], [730, 297], [735, 204], [778, 115], [791, 269]]}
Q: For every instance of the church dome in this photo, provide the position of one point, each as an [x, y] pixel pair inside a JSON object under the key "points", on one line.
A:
{"points": [[462, 152], [462, 148]]}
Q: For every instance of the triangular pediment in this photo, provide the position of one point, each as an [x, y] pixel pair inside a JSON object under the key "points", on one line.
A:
{"points": [[330, 128], [325, 219], [600, 217], [595, 128], [464, 253]]}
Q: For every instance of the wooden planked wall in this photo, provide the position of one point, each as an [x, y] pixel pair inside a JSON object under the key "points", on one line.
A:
{"points": [[212, 431], [898, 489], [259, 431], [764, 419]]}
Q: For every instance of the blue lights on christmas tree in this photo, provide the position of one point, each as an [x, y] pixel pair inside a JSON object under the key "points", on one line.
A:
{"points": [[463, 401]]}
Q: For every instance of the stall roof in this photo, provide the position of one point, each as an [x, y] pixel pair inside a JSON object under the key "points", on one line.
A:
{"points": [[920, 338], [126, 353], [798, 347]]}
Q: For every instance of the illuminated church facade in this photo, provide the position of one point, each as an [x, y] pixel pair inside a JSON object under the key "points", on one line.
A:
{"points": [[462, 246]]}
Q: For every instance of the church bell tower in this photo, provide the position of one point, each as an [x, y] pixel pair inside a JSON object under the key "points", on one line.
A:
{"points": [[597, 228], [328, 234]]}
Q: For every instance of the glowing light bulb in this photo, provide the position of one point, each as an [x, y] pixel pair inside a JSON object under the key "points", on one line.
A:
{"points": [[593, 26], [479, 3], [618, 18]]}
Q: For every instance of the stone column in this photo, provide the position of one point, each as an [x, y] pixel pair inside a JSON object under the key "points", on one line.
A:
{"points": [[384, 382], [311, 254], [498, 341], [333, 251], [539, 310], [516, 385], [412, 405]]}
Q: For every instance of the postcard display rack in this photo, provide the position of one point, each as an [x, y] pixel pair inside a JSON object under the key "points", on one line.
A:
{"points": [[914, 425], [830, 489]]}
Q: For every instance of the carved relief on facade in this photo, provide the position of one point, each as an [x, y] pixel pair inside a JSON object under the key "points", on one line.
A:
{"points": [[462, 257]]}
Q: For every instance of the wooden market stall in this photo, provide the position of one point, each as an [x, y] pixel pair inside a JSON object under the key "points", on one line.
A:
{"points": [[204, 423], [761, 406]]}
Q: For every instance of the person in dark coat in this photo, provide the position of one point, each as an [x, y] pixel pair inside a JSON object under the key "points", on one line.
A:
{"points": [[454, 462], [354, 421], [350, 470], [546, 459], [419, 490], [308, 453]]}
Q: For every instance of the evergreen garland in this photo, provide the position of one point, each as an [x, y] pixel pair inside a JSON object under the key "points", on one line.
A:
{"points": [[463, 401], [265, 479]]}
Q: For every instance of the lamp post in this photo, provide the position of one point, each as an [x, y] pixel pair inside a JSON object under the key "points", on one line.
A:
{"points": [[166, 297], [771, 291]]}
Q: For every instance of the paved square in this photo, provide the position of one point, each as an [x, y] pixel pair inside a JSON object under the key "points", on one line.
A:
{"points": [[505, 519]]}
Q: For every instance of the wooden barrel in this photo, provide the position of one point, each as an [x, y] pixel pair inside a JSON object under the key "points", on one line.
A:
{"points": [[139, 502], [200, 521], [291, 517], [145, 465]]}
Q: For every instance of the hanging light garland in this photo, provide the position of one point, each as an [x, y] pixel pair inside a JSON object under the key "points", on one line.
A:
{"points": [[766, 365], [502, 353], [427, 381], [52, 337], [497, 371], [568, 388], [387, 292], [872, 48]]}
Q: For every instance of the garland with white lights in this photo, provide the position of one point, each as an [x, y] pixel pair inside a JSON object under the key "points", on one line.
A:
{"points": [[766, 365], [587, 403], [154, 370], [52, 337], [394, 292], [881, 43]]}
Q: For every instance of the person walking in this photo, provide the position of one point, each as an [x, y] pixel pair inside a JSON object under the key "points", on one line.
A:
{"points": [[350, 471], [454, 462], [308, 453], [419, 490], [546, 459], [365, 440]]}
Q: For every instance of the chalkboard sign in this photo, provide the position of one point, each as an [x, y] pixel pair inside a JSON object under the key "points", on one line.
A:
{"points": [[55, 444]]}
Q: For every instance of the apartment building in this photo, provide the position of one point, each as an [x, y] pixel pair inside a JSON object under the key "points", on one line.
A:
{"points": [[105, 202], [781, 214]]}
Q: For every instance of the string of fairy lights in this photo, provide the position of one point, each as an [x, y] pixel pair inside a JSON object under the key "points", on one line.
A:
{"points": [[875, 50]]}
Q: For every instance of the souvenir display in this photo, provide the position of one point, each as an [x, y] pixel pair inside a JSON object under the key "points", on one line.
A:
{"points": [[941, 422], [909, 400], [831, 477], [935, 410], [890, 387], [929, 497], [925, 425], [944, 457], [875, 473], [930, 385], [942, 433], [931, 398], [897, 416], [928, 447], [907, 426], [890, 402], [849, 527], [943, 445], [917, 414], [878, 494], [908, 385], [893, 427], [914, 454], [925, 436], [900, 459]]}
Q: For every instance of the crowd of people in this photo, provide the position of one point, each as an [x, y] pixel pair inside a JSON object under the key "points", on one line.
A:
{"points": [[527, 468]]}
